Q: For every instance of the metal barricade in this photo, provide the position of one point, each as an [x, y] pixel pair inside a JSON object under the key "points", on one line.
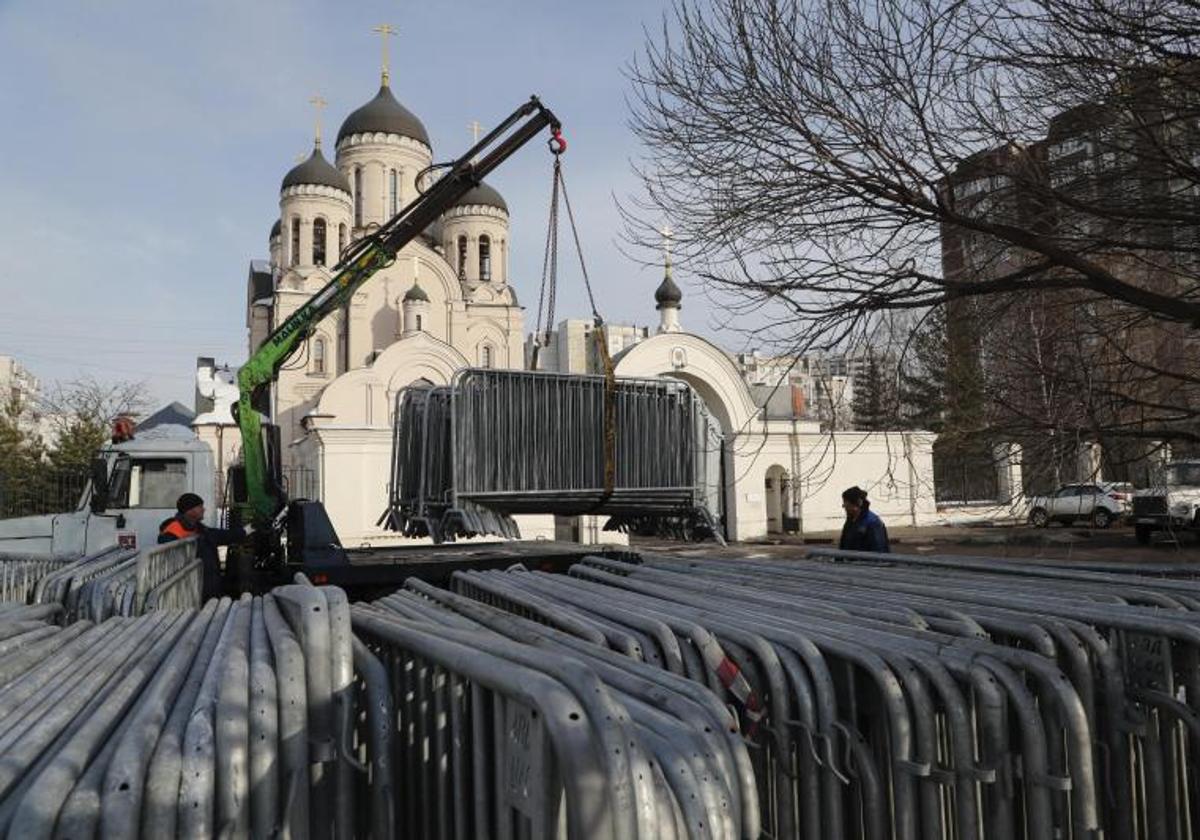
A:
{"points": [[494, 443]]}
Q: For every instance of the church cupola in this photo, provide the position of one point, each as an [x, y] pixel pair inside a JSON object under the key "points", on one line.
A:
{"points": [[667, 297], [314, 211], [475, 237], [416, 309], [381, 148]]}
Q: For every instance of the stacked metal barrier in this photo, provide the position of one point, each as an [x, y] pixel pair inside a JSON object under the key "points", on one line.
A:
{"points": [[110, 582], [19, 574], [890, 697], [237, 720], [512, 729], [494, 443]]}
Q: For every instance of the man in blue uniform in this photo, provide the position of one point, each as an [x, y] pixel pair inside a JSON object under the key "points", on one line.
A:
{"points": [[863, 531]]}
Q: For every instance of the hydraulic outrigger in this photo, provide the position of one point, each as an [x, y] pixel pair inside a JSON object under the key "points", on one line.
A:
{"points": [[264, 501]]}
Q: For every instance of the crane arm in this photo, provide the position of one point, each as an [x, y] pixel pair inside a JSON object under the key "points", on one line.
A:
{"points": [[357, 264]]}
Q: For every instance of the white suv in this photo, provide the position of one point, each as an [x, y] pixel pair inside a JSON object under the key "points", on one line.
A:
{"points": [[1101, 504]]}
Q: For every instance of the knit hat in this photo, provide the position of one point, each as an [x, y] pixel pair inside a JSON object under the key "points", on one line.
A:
{"points": [[188, 501], [855, 495]]}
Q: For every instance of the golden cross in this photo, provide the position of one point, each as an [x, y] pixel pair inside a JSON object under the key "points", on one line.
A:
{"points": [[385, 30], [318, 102], [475, 127]]}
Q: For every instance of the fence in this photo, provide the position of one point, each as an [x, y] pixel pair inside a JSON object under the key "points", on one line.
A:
{"points": [[235, 720], [468, 456], [111, 582], [960, 477], [44, 491]]}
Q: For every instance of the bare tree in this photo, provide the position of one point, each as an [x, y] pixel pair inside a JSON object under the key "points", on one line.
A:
{"points": [[80, 415], [826, 161]]}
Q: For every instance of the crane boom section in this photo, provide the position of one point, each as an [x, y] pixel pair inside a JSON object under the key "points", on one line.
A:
{"points": [[357, 265]]}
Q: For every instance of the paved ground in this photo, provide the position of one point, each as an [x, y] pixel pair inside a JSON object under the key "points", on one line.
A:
{"points": [[1056, 543]]}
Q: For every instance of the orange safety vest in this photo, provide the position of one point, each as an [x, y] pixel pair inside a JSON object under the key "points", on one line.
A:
{"points": [[176, 529]]}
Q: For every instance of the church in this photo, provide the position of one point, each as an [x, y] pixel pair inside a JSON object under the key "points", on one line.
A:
{"points": [[446, 303]]}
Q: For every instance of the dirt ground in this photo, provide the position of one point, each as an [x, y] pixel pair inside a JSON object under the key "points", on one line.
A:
{"points": [[1115, 544]]}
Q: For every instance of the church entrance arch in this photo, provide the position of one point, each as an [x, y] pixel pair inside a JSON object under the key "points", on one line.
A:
{"points": [[720, 386]]}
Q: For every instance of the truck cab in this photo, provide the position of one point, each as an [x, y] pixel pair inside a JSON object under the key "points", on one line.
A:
{"points": [[133, 489], [1172, 505]]}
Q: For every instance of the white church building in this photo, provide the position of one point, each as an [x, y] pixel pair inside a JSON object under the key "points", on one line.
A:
{"points": [[447, 303]]}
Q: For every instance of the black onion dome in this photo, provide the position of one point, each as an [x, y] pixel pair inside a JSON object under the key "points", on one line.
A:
{"points": [[316, 171], [482, 194], [416, 293], [384, 115], [276, 229], [667, 293]]}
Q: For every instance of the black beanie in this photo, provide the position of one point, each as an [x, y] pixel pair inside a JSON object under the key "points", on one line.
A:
{"points": [[188, 501], [855, 495]]}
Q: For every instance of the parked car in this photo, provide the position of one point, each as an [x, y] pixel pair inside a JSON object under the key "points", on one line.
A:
{"points": [[1101, 504]]}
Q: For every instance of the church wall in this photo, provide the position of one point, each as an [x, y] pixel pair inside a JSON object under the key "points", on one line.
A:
{"points": [[895, 468], [376, 312]]}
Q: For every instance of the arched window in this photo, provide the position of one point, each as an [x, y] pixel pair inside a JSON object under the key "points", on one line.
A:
{"points": [[318, 356], [394, 191], [462, 258], [418, 323], [341, 239], [485, 259], [318, 242], [294, 255], [358, 196], [485, 356]]}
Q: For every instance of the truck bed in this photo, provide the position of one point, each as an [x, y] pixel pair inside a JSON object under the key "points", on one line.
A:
{"points": [[372, 571]]}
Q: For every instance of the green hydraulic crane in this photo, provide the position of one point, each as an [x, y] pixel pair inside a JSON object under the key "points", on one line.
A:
{"points": [[264, 500]]}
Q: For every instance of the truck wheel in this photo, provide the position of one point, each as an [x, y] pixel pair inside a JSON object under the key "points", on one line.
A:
{"points": [[1101, 517], [1142, 532], [1038, 518]]}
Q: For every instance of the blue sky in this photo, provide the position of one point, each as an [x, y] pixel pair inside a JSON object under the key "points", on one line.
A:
{"points": [[143, 144]]}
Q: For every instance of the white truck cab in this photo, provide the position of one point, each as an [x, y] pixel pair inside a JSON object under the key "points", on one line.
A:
{"points": [[133, 489]]}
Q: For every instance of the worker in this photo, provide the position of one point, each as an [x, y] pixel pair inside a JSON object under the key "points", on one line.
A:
{"points": [[863, 531], [189, 522]]}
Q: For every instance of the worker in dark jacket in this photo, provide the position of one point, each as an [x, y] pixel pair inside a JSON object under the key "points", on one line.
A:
{"points": [[188, 522], [863, 531]]}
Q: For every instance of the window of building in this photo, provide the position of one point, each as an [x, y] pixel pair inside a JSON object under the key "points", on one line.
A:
{"points": [[341, 239], [318, 356], [295, 250], [485, 356], [147, 482], [394, 191], [485, 259], [462, 258], [358, 196], [318, 242], [418, 323]]}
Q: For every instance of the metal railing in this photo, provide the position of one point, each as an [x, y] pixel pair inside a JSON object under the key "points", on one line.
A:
{"points": [[512, 730], [884, 695], [240, 719], [19, 574], [111, 582], [494, 443]]}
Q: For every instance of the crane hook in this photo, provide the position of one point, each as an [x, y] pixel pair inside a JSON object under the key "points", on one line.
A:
{"points": [[557, 143]]}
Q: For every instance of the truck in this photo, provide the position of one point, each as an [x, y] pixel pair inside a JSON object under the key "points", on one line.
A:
{"points": [[1173, 504], [132, 488], [134, 483]]}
